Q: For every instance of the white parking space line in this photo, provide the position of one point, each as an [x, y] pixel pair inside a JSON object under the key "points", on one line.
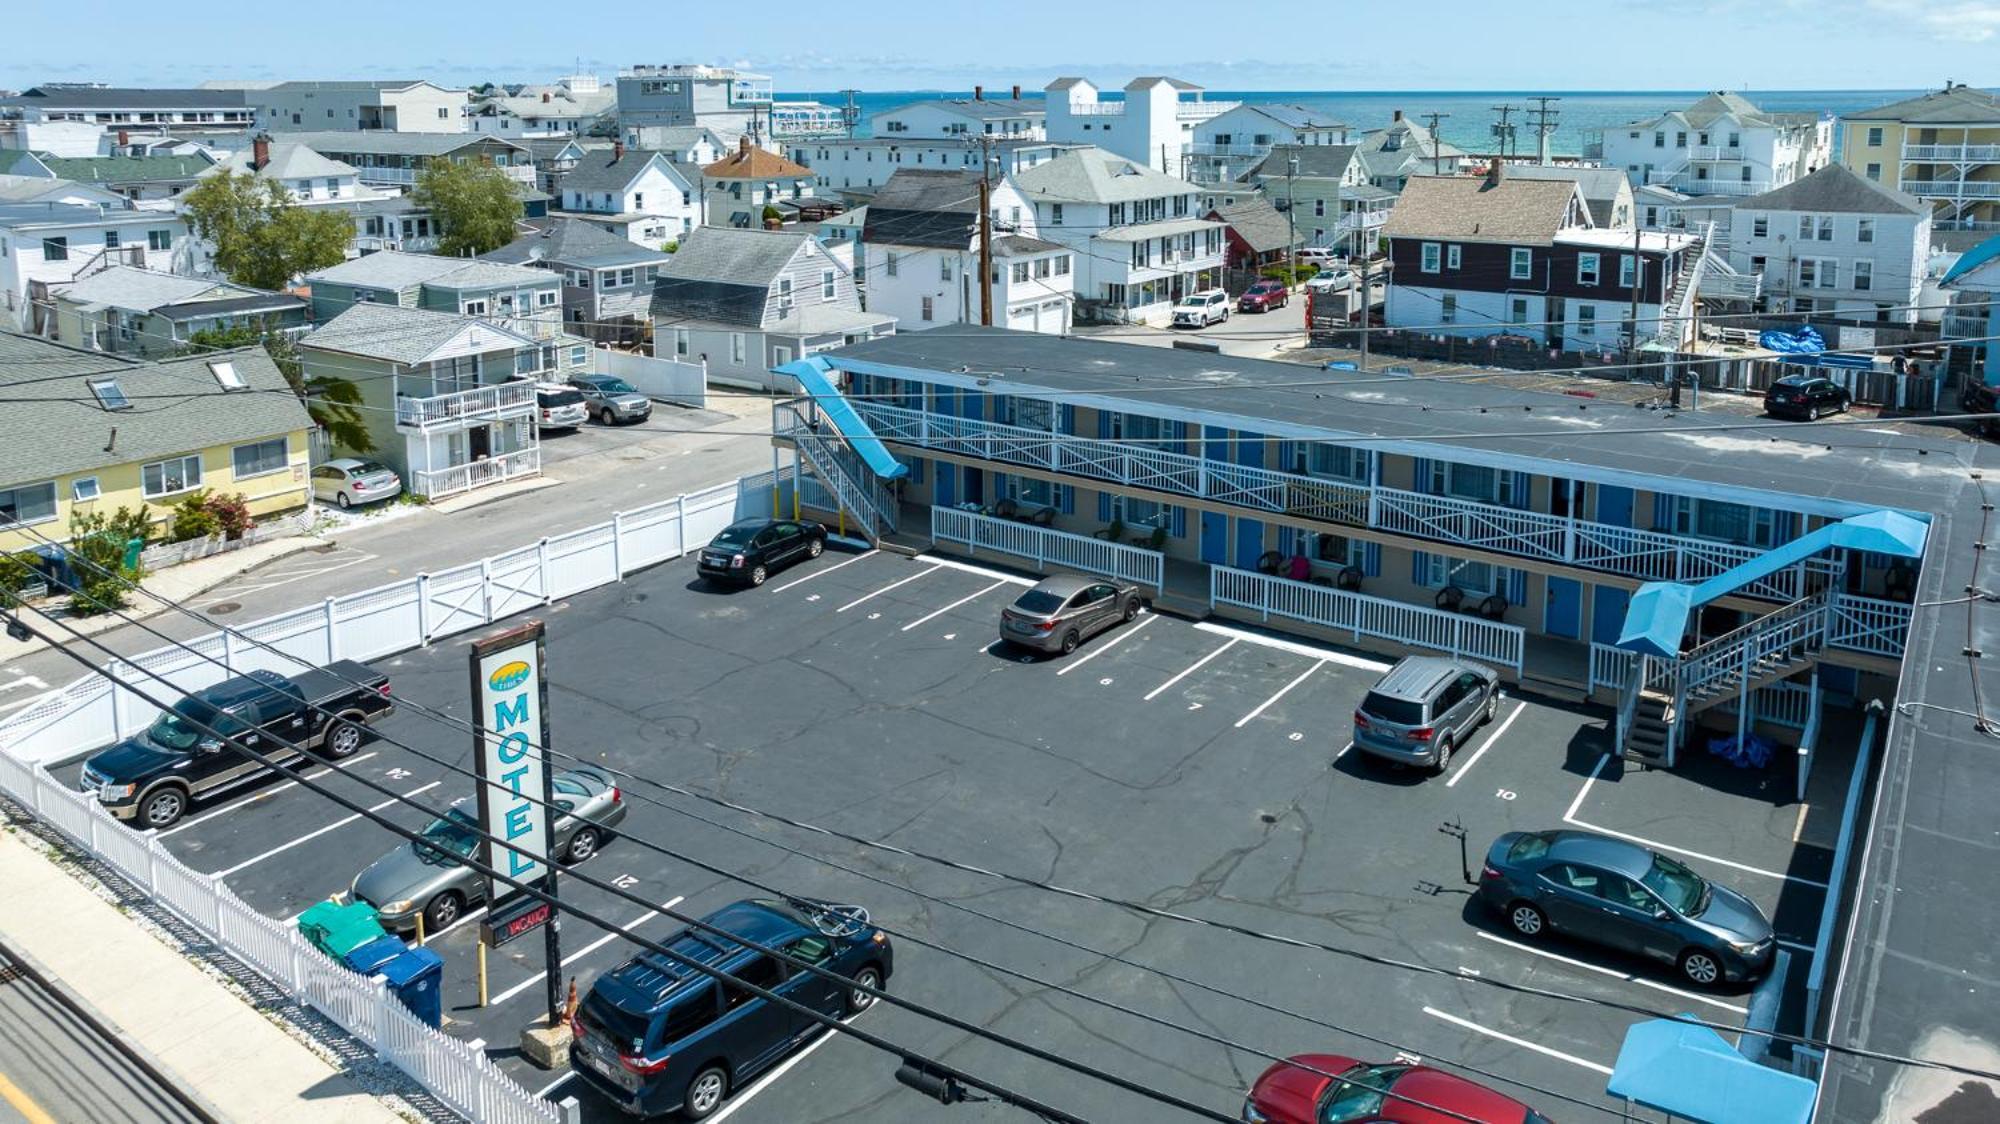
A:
{"points": [[948, 608], [1730, 863], [464, 919], [23, 681], [755, 1087], [1193, 667], [1602, 761], [1106, 645], [816, 573], [1282, 692], [892, 585], [1523, 1043], [1612, 972], [1486, 745], [586, 950], [341, 822], [1309, 651], [544, 1091], [955, 564], [19, 703], [252, 802]]}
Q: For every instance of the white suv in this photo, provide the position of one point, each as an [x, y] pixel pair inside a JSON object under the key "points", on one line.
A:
{"points": [[1199, 310]]}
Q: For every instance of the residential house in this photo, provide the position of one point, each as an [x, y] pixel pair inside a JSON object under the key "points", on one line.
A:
{"points": [[690, 146], [855, 166], [49, 243], [1720, 145], [373, 105], [743, 301], [141, 179], [1391, 155], [1258, 234], [543, 111], [1663, 208], [740, 188], [382, 158], [555, 156], [1138, 239], [307, 177], [1974, 283], [1493, 255], [448, 399], [1153, 126], [40, 189], [141, 313], [607, 280], [1942, 147], [92, 432], [110, 108], [1835, 243], [977, 116], [921, 248], [639, 195], [57, 138], [1606, 191], [728, 102], [1228, 145], [1325, 187], [525, 301]]}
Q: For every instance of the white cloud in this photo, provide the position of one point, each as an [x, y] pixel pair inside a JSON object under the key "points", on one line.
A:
{"points": [[1967, 21]]}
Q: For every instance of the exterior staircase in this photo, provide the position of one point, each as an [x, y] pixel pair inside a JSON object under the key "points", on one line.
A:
{"points": [[859, 492]]}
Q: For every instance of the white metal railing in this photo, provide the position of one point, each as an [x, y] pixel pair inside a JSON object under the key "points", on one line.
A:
{"points": [[1716, 153], [1488, 526], [1796, 631], [1628, 704], [1964, 326], [1361, 615], [1953, 189], [1706, 185], [1610, 666], [1965, 224], [1782, 704], [1868, 624], [478, 403], [856, 486], [1951, 153], [1047, 547], [438, 483]]}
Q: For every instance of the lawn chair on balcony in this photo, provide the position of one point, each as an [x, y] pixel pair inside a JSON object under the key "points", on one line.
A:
{"points": [[1113, 533], [1493, 608], [1007, 509], [1269, 562], [1450, 598], [1043, 517], [1349, 579], [1155, 541]]}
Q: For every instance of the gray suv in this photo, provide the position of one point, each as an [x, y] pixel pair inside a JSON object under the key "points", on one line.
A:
{"points": [[612, 400], [1424, 708]]}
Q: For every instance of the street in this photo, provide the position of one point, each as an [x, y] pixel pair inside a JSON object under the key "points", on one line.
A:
{"points": [[54, 1066]]}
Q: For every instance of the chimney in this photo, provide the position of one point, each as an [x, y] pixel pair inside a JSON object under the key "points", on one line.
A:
{"points": [[1017, 93], [124, 139], [979, 93], [1494, 174], [260, 152], [743, 144], [545, 98], [1395, 115], [617, 151]]}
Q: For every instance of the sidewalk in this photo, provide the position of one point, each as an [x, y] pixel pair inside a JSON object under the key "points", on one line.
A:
{"points": [[199, 1033]]}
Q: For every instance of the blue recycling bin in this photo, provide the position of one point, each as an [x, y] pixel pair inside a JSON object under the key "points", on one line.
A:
{"points": [[417, 978], [368, 957]]}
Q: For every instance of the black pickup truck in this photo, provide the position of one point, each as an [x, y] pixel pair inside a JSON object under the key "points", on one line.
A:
{"points": [[155, 775]]}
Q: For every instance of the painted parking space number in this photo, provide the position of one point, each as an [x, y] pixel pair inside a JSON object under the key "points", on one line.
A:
{"points": [[624, 881], [1505, 793]]}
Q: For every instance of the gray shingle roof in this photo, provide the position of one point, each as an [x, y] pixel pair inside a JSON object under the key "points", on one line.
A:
{"points": [[1297, 116], [924, 207], [1258, 223], [290, 160], [981, 109], [1470, 209], [393, 269], [605, 170], [141, 290], [1601, 187], [1959, 105], [1316, 161], [1836, 188], [746, 257], [118, 97], [568, 241], [1092, 175], [381, 142], [177, 407], [403, 335]]}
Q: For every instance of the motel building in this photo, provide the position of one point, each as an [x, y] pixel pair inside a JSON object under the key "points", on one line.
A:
{"points": [[1710, 579]]}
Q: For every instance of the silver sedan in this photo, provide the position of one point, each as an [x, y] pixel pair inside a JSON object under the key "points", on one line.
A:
{"points": [[431, 878], [1065, 610]]}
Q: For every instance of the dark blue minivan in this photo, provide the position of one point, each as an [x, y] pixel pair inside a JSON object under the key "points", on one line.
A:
{"points": [[657, 1036]]}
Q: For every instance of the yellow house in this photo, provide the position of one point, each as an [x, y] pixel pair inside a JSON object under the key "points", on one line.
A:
{"points": [[1942, 147], [82, 430]]}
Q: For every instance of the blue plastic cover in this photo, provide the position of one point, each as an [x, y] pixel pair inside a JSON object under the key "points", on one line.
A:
{"points": [[815, 375], [1690, 1072], [1805, 340]]}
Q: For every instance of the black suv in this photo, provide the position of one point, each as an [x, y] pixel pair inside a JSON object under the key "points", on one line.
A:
{"points": [[1805, 396], [656, 1036], [751, 550], [1979, 398]]}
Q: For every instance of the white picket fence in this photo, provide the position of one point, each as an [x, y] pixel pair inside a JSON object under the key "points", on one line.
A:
{"points": [[1361, 615], [93, 712], [1047, 548]]}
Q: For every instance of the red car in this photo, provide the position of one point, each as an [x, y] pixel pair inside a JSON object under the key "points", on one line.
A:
{"points": [[1263, 296], [1297, 1091]]}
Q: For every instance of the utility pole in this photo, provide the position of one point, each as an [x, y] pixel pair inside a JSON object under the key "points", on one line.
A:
{"points": [[1545, 125], [851, 114], [1291, 224], [985, 233], [1503, 130], [1638, 282], [1437, 153]]}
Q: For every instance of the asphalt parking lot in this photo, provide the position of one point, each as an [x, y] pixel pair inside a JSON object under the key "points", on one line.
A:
{"points": [[1190, 767]]}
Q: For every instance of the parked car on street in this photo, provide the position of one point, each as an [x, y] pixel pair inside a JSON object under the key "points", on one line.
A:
{"points": [[1808, 397], [749, 551], [346, 481], [1298, 1090], [1263, 296], [153, 776], [1605, 890], [1331, 279], [1979, 398], [430, 878], [612, 400], [1199, 310], [1063, 611], [1424, 708], [1318, 255], [559, 406], [657, 1036]]}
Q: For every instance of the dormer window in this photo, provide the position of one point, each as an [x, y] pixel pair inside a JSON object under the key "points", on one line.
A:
{"points": [[109, 394]]}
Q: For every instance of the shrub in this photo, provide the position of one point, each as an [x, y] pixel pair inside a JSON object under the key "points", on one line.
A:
{"points": [[193, 519], [673, 247], [17, 572], [97, 548], [232, 514]]}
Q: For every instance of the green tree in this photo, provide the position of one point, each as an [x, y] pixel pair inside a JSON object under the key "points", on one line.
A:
{"points": [[473, 205], [262, 238], [98, 543], [334, 403]]}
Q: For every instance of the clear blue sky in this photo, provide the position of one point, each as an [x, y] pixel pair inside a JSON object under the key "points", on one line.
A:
{"points": [[868, 44]]}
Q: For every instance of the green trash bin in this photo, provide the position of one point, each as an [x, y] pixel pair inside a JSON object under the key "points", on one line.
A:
{"points": [[338, 929], [133, 549]]}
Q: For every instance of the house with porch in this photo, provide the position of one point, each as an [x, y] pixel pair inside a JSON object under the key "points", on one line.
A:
{"points": [[1942, 146], [607, 279], [1228, 145], [1722, 144], [518, 298], [744, 187], [49, 243], [307, 177], [1391, 155], [394, 160], [1325, 188], [1258, 235], [920, 243], [640, 195], [146, 314], [1835, 242], [448, 399], [1010, 118]]}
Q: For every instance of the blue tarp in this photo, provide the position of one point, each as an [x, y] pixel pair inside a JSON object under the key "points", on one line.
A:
{"points": [[815, 375], [1657, 617], [1692, 1073], [1805, 340]]}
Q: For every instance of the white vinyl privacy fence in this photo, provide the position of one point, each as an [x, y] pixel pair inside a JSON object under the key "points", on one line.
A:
{"points": [[367, 625]]}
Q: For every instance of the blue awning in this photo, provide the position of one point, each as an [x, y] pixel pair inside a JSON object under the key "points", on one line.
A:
{"points": [[1692, 1073], [815, 375], [1657, 618]]}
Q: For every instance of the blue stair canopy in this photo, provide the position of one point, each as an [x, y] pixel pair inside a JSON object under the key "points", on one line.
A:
{"points": [[816, 375], [1692, 1073], [1658, 615]]}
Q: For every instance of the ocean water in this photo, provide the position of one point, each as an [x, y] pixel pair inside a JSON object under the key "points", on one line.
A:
{"points": [[1470, 114]]}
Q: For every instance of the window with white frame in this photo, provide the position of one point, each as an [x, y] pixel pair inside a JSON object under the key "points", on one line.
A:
{"points": [[1628, 271], [1477, 482], [1819, 273], [159, 240], [32, 503], [889, 263], [1517, 310], [1586, 269], [736, 343], [1864, 230], [1139, 513], [1340, 462], [1760, 226], [1333, 550], [579, 355], [84, 489], [1586, 320], [1433, 256], [1875, 136], [1864, 275], [1448, 308], [547, 298], [1027, 490], [826, 280], [473, 308], [944, 267], [1476, 578], [170, 477], [926, 309], [680, 343], [260, 458], [1521, 263], [1453, 255], [1725, 522]]}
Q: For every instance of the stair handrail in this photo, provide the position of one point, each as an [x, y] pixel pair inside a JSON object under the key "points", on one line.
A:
{"points": [[1628, 703], [1727, 653], [846, 491]]}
